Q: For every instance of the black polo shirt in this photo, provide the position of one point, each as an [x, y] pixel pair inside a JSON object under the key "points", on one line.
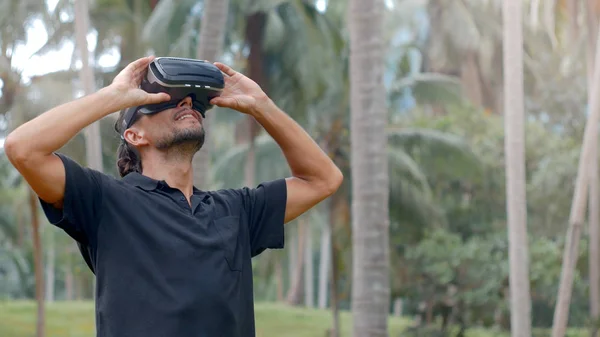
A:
{"points": [[165, 268]]}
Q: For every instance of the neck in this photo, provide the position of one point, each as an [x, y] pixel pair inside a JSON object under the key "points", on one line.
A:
{"points": [[173, 166]]}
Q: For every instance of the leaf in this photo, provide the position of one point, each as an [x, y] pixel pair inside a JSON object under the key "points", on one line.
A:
{"points": [[431, 88], [437, 152], [403, 167], [228, 171]]}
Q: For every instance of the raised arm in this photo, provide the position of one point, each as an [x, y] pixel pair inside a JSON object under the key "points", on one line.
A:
{"points": [[31, 146], [314, 175]]}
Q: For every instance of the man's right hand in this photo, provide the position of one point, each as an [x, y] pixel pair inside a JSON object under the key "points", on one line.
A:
{"points": [[31, 146], [126, 85]]}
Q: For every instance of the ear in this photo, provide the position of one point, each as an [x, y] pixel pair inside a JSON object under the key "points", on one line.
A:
{"points": [[135, 136]]}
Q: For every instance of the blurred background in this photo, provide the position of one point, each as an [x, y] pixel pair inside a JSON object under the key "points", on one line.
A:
{"points": [[448, 106]]}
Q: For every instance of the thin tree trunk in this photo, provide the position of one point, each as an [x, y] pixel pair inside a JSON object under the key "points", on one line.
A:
{"points": [[370, 187], [594, 232], [38, 265], [324, 265], [50, 278], [279, 278], [333, 284], [255, 25], [309, 294], [69, 291], [514, 140], [295, 292], [573, 9], [210, 46], [470, 81], [578, 206], [398, 307], [21, 226], [292, 255], [93, 143], [534, 11], [594, 194]]}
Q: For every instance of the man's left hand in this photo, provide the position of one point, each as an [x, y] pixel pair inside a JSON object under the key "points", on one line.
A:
{"points": [[240, 92]]}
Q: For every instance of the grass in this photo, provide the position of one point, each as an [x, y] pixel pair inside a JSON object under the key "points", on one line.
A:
{"points": [[76, 319]]}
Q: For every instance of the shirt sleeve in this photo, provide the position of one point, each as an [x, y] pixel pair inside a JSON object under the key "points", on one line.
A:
{"points": [[79, 216], [265, 207]]}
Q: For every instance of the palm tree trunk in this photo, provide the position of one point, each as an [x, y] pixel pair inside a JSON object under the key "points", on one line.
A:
{"points": [[324, 265], [471, 84], [573, 9], [210, 46], [578, 206], [50, 267], [292, 255], [594, 232], [295, 292], [308, 268], [334, 276], [69, 291], [38, 265], [370, 213], [279, 278], [514, 140], [93, 143], [255, 25], [594, 203]]}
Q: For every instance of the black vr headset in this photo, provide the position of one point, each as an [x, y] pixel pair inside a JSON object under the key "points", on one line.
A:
{"points": [[180, 78]]}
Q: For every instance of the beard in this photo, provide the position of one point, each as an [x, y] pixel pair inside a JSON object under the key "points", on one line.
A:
{"points": [[185, 141]]}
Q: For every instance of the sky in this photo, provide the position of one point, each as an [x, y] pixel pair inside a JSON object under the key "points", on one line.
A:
{"points": [[59, 59]]}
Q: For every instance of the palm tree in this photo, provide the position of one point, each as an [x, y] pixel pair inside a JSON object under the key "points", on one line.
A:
{"points": [[210, 46], [578, 206], [514, 140], [86, 76], [594, 194], [370, 213]]}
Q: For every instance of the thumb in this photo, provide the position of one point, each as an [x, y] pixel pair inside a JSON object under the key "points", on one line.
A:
{"points": [[157, 98], [224, 102]]}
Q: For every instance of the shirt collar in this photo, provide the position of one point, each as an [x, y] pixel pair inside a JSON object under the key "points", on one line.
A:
{"points": [[147, 183], [139, 180]]}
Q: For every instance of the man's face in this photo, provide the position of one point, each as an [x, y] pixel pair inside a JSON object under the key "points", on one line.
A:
{"points": [[177, 128]]}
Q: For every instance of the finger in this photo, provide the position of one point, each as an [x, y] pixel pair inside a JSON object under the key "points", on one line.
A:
{"points": [[137, 77], [157, 98], [224, 102], [225, 68], [140, 64]]}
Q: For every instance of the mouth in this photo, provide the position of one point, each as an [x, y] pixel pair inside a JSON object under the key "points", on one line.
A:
{"points": [[187, 113]]}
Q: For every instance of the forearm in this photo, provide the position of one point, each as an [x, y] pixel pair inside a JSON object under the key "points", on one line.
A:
{"points": [[305, 158], [51, 130]]}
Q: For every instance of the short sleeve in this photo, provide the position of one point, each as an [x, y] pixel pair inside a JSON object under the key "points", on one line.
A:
{"points": [[79, 216], [265, 207]]}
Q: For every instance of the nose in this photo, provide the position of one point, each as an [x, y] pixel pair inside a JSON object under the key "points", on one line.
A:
{"points": [[187, 101]]}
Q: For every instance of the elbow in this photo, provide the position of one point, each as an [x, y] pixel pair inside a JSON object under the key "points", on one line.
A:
{"points": [[15, 150], [334, 181]]}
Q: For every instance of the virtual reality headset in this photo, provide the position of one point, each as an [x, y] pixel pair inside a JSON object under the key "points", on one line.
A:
{"points": [[180, 78]]}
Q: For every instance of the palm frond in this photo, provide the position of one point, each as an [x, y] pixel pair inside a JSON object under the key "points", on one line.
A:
{"points": [[437, 152], [431, 88], [404, 168], [409, 204], [166, 24], [228, 170]]}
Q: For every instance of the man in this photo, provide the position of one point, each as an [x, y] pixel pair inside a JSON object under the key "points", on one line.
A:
{"points": [[170, 260]]}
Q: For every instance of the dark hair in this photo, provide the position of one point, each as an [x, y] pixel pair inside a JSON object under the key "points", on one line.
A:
{"points": [[128, 158]]}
